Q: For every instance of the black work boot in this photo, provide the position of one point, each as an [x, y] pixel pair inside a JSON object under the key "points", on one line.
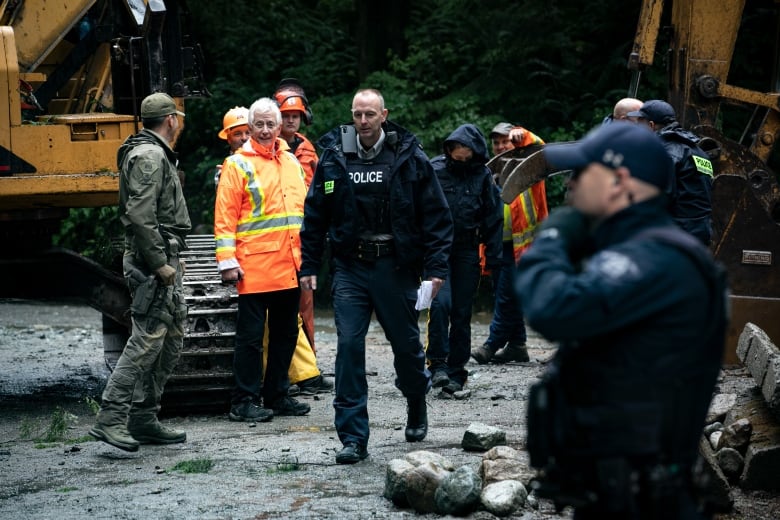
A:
{"points": [[483, 354], [417, 419], [511, 353], [439, 378]]}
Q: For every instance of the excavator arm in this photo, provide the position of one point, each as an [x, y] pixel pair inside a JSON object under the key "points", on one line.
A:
{"points": [[745, 192]]}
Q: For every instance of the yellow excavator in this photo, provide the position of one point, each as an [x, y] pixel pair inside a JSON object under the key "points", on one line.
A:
{"points": [[745, 192], [702, 36], [72, 77]]}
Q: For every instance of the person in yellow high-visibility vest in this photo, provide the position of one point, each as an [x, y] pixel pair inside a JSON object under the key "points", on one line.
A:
{"points": [[507, 338]]}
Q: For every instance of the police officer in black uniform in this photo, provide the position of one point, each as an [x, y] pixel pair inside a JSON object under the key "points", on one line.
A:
{"points": [[376, 197], [639, 308], [691, 200], [477, 214]]}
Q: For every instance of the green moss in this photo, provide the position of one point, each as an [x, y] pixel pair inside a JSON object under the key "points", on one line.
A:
{"points": [[193, 466]]}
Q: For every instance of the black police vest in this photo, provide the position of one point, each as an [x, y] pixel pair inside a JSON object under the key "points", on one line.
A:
{"points": [[371, 185]]}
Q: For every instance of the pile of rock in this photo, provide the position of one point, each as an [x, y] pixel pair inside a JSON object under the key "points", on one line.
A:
{"points": [[741, 444], [430, 483], [729, 445]]}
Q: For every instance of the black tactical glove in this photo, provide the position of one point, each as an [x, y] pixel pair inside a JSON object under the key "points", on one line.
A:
{"points": [[567, 224]]}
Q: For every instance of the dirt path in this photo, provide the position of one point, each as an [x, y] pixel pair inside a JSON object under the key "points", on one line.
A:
{"points": [[51, 360], [51, 363]]}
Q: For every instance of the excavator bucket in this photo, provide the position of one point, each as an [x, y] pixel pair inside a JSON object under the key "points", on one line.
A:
{"points": [[518, 169]]}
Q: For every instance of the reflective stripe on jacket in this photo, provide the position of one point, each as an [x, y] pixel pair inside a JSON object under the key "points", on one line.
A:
{"points": [[258, 216], [523, 216]]}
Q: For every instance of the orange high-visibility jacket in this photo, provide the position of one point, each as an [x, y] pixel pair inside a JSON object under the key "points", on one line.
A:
{"points": [[258, 215], [307, 156], [528, 210]]}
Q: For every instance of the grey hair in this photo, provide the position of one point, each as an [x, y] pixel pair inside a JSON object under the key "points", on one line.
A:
{"points": [[264, 105], [373, 91]]}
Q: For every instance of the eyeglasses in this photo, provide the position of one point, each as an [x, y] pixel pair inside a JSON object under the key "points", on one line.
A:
{"points": [[271, 125]]}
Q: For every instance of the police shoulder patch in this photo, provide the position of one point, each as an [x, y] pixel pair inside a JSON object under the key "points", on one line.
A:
{"points": [[703, 165], [615, 265], [147, 167]]}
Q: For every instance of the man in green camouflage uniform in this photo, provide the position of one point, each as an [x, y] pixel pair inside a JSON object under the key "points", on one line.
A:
{"points": [[154, 213]]}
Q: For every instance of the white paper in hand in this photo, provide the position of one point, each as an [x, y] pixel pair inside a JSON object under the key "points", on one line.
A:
{"points": [[424, 295]]}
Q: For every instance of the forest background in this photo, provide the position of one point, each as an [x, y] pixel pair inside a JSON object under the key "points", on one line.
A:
{"points": [[556, 67]]}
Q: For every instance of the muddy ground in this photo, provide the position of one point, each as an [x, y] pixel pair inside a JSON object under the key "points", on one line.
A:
{"points": [[51, 367]]}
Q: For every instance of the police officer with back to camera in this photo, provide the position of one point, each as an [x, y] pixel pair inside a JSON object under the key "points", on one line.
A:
{"points": [[639, 308], [691, 200], [154, 214], [376, 197]]}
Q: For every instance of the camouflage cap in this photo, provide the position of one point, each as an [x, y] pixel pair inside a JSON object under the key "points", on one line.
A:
{"points": [[158, 104]]}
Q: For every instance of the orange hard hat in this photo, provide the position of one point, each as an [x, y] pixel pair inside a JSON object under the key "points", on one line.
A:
{"points": [[290, 103], [236, 116]]}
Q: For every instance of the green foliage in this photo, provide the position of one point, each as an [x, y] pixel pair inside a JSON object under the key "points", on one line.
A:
{"points": [[54, 432], [28, 427], [548, 66], [93, 232], [555, 67], [193, 466], [94, 406]]}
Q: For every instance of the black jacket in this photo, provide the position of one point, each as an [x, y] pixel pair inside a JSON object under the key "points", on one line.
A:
{"points": [[642, 335], [691, 204], [420, 219], [473, 197]]}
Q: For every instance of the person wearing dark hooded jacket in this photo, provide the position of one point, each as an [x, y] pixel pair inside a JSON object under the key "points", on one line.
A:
{"points": [[477, 217], [154, 214]]}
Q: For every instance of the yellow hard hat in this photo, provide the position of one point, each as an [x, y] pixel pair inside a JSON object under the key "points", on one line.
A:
{"points": [[236, 116]]}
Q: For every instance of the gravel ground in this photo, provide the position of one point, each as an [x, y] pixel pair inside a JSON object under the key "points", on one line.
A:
{"points": [[51, 365]]}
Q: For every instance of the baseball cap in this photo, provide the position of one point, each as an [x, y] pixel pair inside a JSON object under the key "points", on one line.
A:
{"points": [[502, 129], [619, 144], [158, 104], [655, 110]]}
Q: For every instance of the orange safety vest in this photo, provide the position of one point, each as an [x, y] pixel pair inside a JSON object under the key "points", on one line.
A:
{"points": [[523, 216], [258, 215], [307, 156], [526, 212]]}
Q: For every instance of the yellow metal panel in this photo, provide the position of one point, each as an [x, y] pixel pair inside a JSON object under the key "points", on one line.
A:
{"points": [[68, 191], [646, 34], [705, 32], [10, 103], [40, 26], [53, 150]]}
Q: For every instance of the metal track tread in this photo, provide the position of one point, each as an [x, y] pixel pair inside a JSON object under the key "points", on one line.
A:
{"points": [[203, 379]]}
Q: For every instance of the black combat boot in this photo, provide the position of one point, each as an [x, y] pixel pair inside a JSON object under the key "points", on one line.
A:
{"points": [[511, 353], [417, 419]]}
